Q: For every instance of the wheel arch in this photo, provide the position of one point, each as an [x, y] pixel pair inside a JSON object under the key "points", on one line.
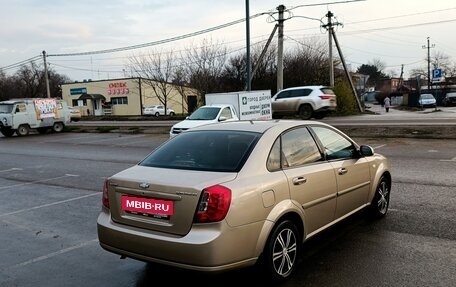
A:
{"points": [[383, 173], [281, 212]]}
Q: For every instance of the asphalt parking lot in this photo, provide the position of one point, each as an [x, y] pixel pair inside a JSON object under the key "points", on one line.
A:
{"points": [[51, 186]]}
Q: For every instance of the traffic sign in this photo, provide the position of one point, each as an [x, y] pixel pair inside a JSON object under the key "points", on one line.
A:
{"points": [[436, 73]]}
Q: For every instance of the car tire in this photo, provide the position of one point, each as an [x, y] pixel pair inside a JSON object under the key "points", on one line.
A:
{"points": [[305, 112], [282, 251], [57, 127], [157, 114], [380, 202], [171, 114], [23, 130]]}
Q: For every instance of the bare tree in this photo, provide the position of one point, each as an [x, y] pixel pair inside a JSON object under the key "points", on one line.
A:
{"points": [[204, 67], [438, 60], [378, 63], [156, 70], [29, 82], [306, 65]]}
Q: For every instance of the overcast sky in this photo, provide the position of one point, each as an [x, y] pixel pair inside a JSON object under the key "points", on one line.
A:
{"points": [[393, 31]]}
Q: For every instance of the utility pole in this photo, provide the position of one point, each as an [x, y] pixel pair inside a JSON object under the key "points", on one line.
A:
{"points": [[281, 9], [247, 28], [332, 35], [428, 47], [330, 54], [46, 76]]}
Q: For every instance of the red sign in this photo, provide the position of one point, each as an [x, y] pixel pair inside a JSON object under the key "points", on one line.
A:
{"points": [[118, 88], [147, 205]]}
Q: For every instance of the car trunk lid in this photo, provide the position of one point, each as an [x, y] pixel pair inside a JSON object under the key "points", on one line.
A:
{"points": [[157, 199]]}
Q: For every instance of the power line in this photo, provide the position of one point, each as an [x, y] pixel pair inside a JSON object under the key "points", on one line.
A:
{"points": [[398, 27], [172, 39], [400, 16], [18, 64], [327, 3]]}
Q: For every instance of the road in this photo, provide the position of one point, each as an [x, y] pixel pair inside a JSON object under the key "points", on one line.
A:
{"points": [[377, 116], [51, 195]]}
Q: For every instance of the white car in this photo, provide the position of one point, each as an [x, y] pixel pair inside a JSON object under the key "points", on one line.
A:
{"points": [[204, 115], [158, 111], [426, 101], [305, 101]]}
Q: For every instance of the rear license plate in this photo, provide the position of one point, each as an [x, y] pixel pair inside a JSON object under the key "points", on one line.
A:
{"points": [[150, 206]]}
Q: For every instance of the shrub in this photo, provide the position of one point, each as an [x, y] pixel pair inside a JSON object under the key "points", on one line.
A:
{"points": [[346, 102]]}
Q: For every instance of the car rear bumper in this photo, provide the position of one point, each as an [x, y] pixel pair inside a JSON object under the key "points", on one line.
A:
{"points": [[207, 247]]}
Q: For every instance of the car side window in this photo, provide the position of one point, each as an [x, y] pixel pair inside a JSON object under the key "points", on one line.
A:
{"points": [[300, 93], [20, 108], [336, 146], [283, 95], [226, 112], [299, 148], [273, 162]]}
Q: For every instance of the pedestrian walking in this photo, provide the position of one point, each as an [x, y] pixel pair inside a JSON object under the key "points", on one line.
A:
{"points": [[387, 103]]}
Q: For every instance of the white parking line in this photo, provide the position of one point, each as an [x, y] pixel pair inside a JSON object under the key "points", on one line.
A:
{"points": [[380, 146], [11, 169], [37, 181], [49, 204], [53, 254], [453, 159]]}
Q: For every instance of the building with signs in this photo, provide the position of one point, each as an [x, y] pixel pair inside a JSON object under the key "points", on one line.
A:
{"points": [[124, 97]]}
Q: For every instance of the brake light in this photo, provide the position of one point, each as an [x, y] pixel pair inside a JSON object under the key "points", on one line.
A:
{"points": [[105, 197], [214, 204], [325, 97]]}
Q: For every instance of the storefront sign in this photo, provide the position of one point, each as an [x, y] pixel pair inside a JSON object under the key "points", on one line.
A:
{"points": [[118, 88], [78, 91]]}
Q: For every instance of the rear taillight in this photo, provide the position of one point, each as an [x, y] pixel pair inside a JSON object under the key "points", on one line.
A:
{"points": [[214, 204], [105, 197], [325, 97]]}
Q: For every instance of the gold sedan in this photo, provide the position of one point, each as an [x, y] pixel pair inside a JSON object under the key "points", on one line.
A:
{"points": [[236, 194]]}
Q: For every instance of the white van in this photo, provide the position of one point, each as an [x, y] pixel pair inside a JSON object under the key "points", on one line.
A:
{"points": [[43, 114]]}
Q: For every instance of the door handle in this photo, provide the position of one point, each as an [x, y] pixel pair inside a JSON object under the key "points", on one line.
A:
{"points": [[342, 171], [299, 180]]}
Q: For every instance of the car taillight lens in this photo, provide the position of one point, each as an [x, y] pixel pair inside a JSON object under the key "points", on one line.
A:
{"points": [[214, 204], [325, 97], [105, 197]]}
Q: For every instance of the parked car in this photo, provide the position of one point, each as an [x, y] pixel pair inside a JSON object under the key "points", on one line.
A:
{"points": [[450, 99], [427, 101], [75, 114], [305, 101], [242, 193], [158, 111]]}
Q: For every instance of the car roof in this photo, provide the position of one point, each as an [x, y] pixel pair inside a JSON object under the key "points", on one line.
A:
{"points": [[305, 87], [216, 106], [259, 126]]}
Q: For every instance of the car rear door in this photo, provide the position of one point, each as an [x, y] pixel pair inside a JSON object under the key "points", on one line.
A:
{"points": [[311, 180]]}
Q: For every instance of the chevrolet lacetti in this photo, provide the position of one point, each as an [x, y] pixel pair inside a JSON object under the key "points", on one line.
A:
{"points": [[237, 194]]}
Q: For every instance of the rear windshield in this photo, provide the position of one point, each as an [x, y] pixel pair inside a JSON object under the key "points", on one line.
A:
{"points": [[219, 151], [327, 91]]}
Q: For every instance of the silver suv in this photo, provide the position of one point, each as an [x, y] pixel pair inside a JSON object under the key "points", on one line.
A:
{"points": [[305, 101]]}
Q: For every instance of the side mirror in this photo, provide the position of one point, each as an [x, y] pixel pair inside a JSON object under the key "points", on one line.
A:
{"points": [[222, 119], [366, 150]]}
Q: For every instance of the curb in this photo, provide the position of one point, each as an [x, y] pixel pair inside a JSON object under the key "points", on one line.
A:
{"points": [[423, 132]]}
